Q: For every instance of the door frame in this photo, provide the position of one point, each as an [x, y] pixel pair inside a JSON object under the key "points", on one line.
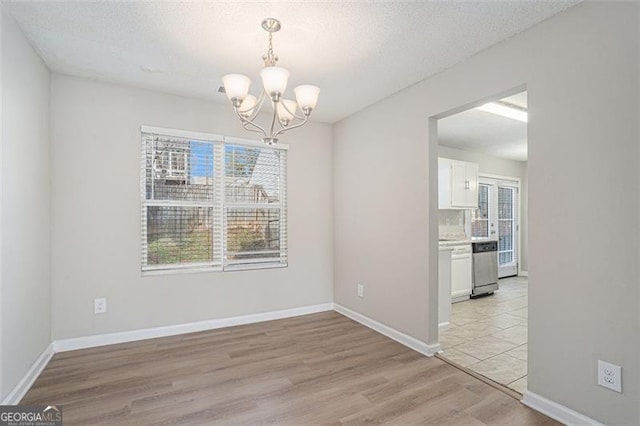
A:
{"points": [[431, 315], [516, 183]]}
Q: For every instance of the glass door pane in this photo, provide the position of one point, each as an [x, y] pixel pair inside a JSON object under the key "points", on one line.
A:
{"points": [[507, 259], [480, 216]]}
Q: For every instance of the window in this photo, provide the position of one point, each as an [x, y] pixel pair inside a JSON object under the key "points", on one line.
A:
{"points": [[211, 202], [480, 216], [506, 225]]}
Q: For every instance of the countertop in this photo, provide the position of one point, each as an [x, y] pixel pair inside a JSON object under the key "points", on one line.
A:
{"points": [[448, 243]]}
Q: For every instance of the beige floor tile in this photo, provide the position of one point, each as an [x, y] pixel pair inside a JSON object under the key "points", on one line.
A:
{"points": [[458, 357], [504, 321], [520, 352], [519, 385], [486, 347], [464, 310], [515, 304], [517, 334], [524, 313], [472, 331], [486, 311], [502, 368], [462, 319], [462, 306], [448, 341], [489, 334]]}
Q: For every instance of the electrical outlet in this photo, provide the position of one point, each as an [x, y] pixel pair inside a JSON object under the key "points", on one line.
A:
{"points": [[360, 290], [610, 376], [100, 306]]}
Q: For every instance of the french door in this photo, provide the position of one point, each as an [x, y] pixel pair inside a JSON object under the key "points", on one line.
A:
{"points": [[497, 219]]}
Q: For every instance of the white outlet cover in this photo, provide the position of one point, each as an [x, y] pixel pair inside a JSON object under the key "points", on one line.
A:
{"points": [[100, 306], [360, 290], [610, 376]]}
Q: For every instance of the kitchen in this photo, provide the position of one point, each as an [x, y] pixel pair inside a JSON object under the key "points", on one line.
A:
{"points": [[482, 193]]}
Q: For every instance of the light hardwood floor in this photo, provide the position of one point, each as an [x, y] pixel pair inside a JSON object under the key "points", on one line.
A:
{"points": [[315, 369]]}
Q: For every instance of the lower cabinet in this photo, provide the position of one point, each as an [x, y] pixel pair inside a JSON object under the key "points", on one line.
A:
{"points": [[460, 277]]}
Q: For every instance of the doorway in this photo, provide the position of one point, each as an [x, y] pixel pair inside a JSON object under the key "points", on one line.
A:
{"points": [[486, 333], [497, 218]]}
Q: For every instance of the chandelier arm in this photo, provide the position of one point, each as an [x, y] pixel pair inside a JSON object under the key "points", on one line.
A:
{"points": [[258, 107], [293, 113], [284, 129], [255, 110], [248, 129], [244, 120], [256, 128]]}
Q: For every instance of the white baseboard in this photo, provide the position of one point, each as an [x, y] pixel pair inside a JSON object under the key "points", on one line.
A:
{"points": [[18, 392], [444, 326], [556, 411], [523, 273], [172, 330], [408, 341], [462, 298]]}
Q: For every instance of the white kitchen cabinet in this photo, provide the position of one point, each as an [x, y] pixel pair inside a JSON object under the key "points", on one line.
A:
{"points": [[457, 184], [461, 283]]}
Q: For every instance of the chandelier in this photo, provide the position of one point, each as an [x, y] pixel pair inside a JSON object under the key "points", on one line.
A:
{"points": [[274, 81]]}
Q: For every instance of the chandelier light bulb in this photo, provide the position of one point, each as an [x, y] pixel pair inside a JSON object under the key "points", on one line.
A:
{"points": [[274, 80], [307, 96], [236, 86], [286, 110], [248, 105]]}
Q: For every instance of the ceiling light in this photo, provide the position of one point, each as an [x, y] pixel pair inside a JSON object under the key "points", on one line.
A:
{"points": [[274, 83], [505, 110]]}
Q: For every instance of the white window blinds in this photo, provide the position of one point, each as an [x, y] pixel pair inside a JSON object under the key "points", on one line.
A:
{"points": [[254, 205], [506, 225], [480, 216], [211, 203]]}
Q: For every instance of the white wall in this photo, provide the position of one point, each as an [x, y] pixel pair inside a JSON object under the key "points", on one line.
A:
{"points": [[503, 167], [25, 292], [96, 216], [581, 73]]}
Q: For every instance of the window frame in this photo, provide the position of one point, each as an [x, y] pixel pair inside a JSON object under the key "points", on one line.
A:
{"points": [[219, 143]]}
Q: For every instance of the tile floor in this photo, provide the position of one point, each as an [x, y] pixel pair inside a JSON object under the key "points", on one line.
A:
{"points": [[489, 335]]}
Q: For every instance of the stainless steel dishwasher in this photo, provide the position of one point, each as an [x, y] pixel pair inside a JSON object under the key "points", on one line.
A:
{"points": [[485, 267]]}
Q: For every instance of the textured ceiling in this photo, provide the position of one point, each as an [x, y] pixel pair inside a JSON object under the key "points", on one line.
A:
{"points": [[357, 52], [475, 130]]}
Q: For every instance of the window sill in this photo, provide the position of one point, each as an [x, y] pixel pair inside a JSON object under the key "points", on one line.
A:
{"points": [[180, 271], [196, 270], [233, 268]]}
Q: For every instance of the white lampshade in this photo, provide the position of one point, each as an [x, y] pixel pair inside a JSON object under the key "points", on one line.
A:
{"points": [[246, 109], [274, 79], [236, 86], [307, 96], [283, 114]]}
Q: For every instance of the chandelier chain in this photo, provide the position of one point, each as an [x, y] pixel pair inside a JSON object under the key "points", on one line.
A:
{"points": [[270, 58]]}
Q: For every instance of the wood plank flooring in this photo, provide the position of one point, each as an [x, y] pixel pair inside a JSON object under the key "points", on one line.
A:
{"points": [[315, 369]]}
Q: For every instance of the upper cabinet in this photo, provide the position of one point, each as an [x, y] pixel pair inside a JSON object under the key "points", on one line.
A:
{"points": [[457, 184]]}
